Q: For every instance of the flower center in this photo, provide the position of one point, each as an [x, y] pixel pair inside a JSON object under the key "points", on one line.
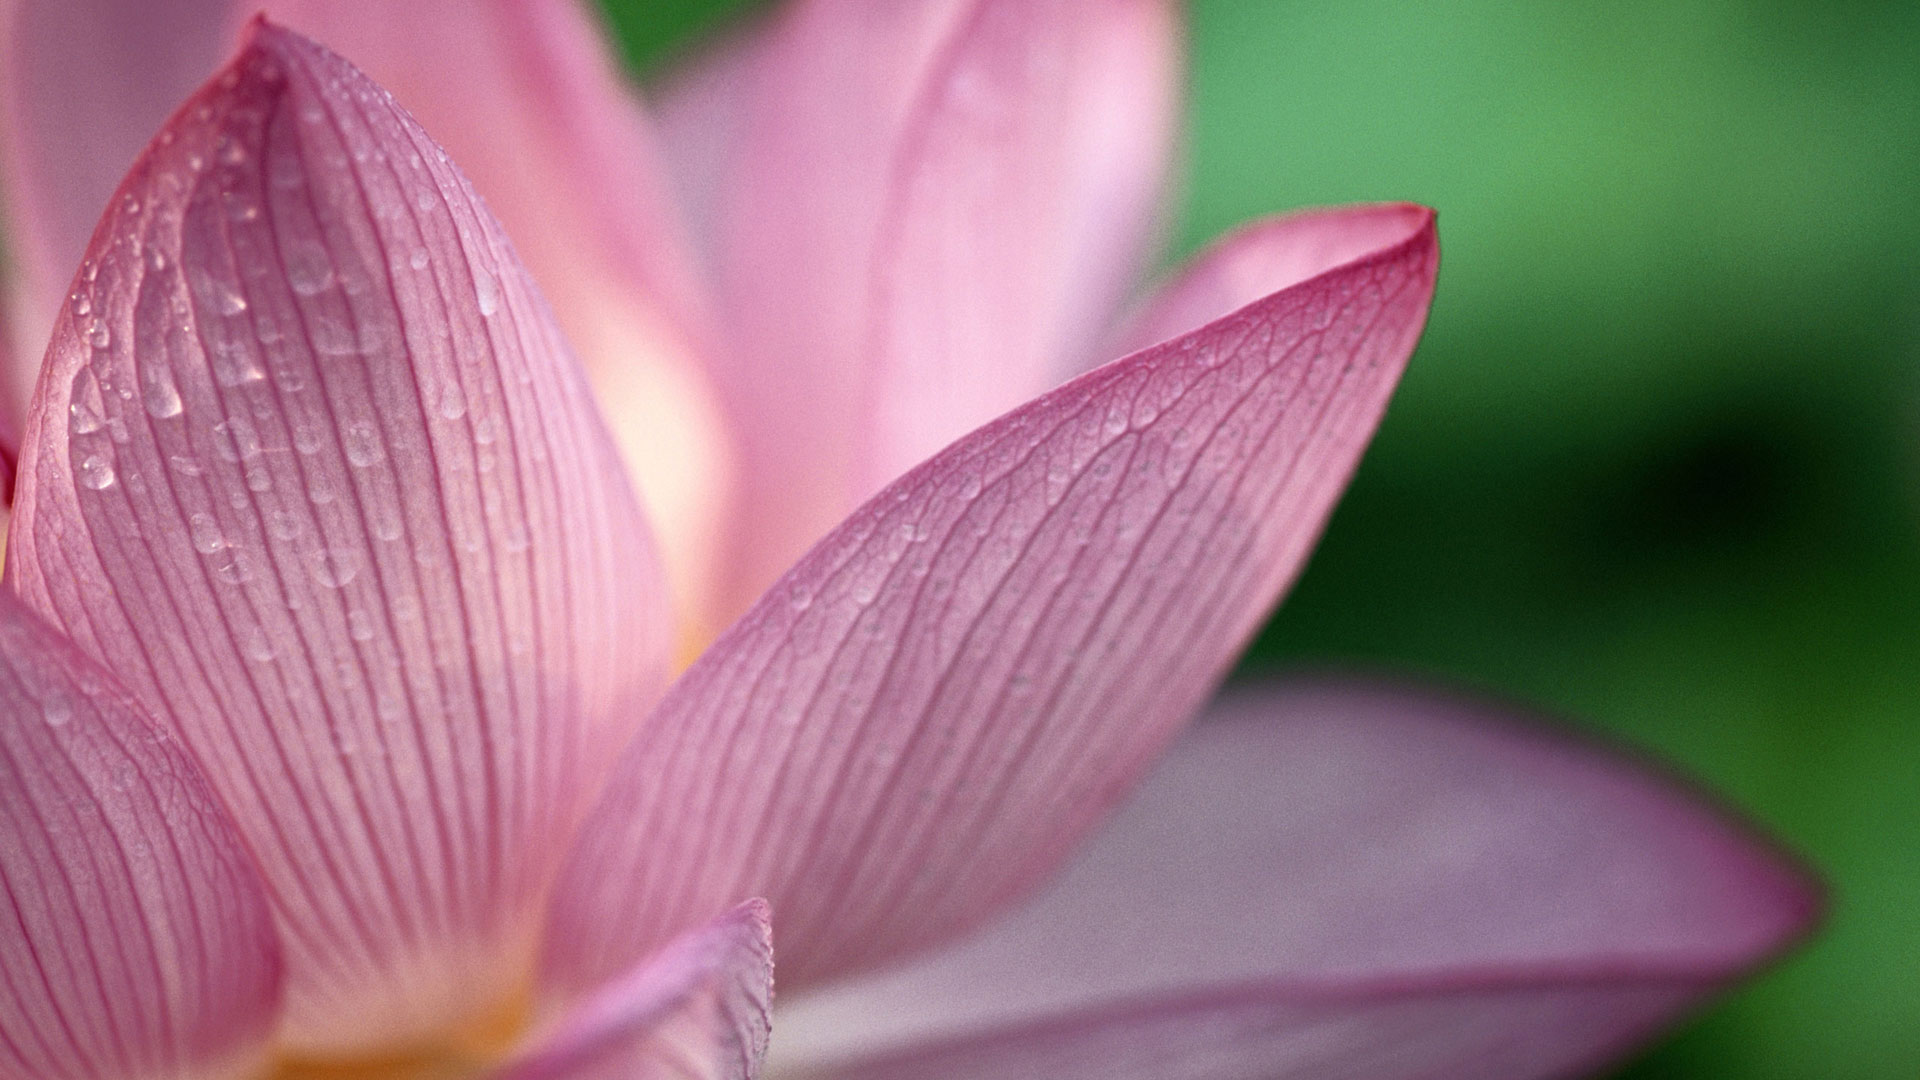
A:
{"points": [[469, 1050]]}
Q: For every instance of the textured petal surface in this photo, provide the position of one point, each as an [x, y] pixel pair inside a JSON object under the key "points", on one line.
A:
{"points": [[312, 471], [856, 261], [701, 1008], [1332, 881], [135, 939], [86, 84], [921, 719], [1257, 260], [525, 96]]}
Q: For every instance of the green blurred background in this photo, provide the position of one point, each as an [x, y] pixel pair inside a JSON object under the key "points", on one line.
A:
{"points": [[1656, 463]]}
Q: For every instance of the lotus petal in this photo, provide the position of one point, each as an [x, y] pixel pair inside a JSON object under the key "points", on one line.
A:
{"points": [[313, 472], [1259, 259], [921, 719], [700, 1008], [524, 95], [137, 940], [1329, 880], [854, 260]]}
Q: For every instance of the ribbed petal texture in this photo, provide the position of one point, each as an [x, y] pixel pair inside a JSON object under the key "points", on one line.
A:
{"points": [[922, 718], [311, 469], [135, 939], [525, 95]]}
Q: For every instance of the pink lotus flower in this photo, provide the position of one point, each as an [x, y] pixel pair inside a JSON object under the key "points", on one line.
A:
{"points": [[339, 737]]}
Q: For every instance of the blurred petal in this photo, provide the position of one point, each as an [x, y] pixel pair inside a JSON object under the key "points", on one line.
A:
{"points": [[1259, 259], [699, 1008], [526, 97], [1023, 199], [135, 939], [702, 111], [876, 311], [1341, 881], [923, 717], [86, 84], [314, 473]]}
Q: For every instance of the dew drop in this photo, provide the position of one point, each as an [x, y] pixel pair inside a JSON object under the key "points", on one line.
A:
{"points": [[157, 392], [334, 567], [96, 473], [98, 335], [309, 270], [359, 625], [236, 568], [56, 711], [85, 420], [186, 466], [283, 524], [82, 304], [363, 444], [486, 292], [259, 647], [205, 532], [418, 260], [453, 402]]}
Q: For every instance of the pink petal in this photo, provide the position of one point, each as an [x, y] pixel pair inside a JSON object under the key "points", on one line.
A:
{"points": [[315, 474], [877, 310], [1259, 259], [1024, 197], [1328, 880], [135, 939], [700, 1007], [924, 716], [526, 97], [85, 85]]}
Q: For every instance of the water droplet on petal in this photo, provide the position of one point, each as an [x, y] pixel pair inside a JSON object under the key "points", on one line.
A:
{"points": [[453, 402], [205, 532], [96, 472], [236, 568], [158, 392], [487, 292], [363, 444], [85, 420], [56, 711], [334, 567]]}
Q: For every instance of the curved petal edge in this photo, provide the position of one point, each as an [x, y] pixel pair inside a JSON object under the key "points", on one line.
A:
{"points": [[1343, 879], [919, 721]]}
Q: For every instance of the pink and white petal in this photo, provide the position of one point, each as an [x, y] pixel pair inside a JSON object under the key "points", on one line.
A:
{"points": [[1024, 199], [111, 69], [699, 1008], [525, 95], [135, 937], [829, 94], [1337, 880], [1259, 259], [920, 721], [315, 474]]}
